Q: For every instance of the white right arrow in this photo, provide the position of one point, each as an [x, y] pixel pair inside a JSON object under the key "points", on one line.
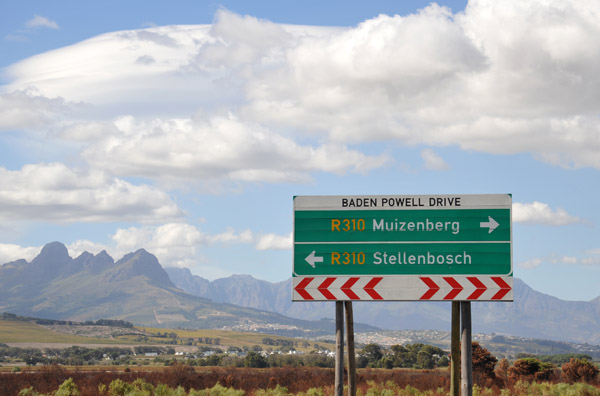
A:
{"points": [[312, 259], [491, 224]]}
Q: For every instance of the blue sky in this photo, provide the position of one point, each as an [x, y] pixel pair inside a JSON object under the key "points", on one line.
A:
{"points": [[186, 127]]}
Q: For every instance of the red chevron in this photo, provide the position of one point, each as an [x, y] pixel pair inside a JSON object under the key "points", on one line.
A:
{"points": [[347, 288], [504, 288], [480, 288], [433, 288], [456, 288], [370, 288], [301, 286], [323, 288]]}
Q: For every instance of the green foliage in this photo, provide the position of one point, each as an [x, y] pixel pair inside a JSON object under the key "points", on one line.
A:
{"points": [[217, 390], [119, 387], [277, 391], [313, 392], [526, 388], [373, 354], [109, 322], [560, 359], [255, 360], [277, 342], [419, 356], [29, 392], [390, 388], [68, 388]]}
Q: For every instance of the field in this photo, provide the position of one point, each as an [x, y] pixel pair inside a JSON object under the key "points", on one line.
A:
{"points": [[29, 334]]}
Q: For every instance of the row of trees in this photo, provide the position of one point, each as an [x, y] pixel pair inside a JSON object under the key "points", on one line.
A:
{"points": [[487, 370], [258, 360], [419, 356], [46, 322], [233, 357], [76, 355]]}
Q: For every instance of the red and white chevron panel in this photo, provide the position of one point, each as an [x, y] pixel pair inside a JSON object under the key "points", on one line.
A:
{"points": [[403, 288]]}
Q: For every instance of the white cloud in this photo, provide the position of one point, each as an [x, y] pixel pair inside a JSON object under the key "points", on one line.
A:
{"points": [[520, 78], [565, 260], [54, 192], [541, 213], [586, 260], [174, 244], [222, 147], [241, 40], [433, 161], [27, 109], [569, 260], [530, 264], [274, 242], [39, 21], [230, 236], [11, 252], [77, 247]]}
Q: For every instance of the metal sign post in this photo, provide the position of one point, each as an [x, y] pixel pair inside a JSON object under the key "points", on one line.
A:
{"points": [[339, 348]]}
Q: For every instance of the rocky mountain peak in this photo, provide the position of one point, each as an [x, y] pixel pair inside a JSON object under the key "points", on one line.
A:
{"points": [[142, 263], [53, 252]]}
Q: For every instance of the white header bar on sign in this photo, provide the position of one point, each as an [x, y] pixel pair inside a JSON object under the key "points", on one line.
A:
{"points": [[402, 202]]}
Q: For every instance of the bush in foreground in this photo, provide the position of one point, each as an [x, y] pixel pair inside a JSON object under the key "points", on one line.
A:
{"points": [[142, 388], [580, 370]]}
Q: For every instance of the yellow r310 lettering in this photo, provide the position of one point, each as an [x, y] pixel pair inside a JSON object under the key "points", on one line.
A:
{"points": [[347, 258], [347, 225]]}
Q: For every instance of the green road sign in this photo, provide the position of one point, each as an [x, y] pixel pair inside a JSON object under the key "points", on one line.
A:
{"points": [[408, 225], [402, 259], [403, 235]]}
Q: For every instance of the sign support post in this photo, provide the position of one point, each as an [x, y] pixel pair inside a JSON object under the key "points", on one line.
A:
{"points": [[339, 348], [466, 354], [351, 351], [455, 350]]}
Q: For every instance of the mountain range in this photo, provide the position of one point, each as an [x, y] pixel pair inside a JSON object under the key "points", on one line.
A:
{"points": [[532, 314], [135, 288], [138, 289]]}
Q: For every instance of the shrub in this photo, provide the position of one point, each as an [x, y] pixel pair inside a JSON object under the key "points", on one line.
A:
{"points": [[29, 392], [530, 369], [277, 391], [119, 387], [579, 370], [483, 365], [501, 371], [217, 390], [68, 388], [255, 360]]}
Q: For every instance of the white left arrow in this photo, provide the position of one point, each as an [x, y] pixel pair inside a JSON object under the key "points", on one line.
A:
{"points": [[491, 224], [312, 259]]}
